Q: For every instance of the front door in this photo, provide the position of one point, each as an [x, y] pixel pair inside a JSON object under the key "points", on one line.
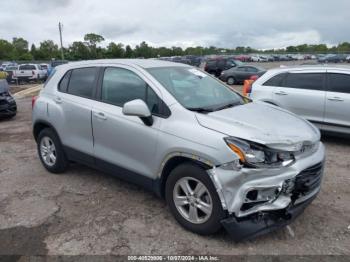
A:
{"points": [[338, 99], [122, 141]]}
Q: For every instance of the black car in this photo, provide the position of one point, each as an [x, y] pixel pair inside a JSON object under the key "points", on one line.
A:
{"points": [[8, 106], [194, 60], [238, 74], [332, 58], [215, 66]]}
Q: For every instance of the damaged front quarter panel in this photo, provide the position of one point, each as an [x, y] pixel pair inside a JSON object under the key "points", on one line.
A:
{"points": [[250, 190]]}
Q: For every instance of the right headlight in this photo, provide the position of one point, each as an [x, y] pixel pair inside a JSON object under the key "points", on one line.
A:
{"points": [[254, 155]]}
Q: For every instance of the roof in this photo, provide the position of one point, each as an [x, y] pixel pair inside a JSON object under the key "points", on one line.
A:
{"points": [[312, 67], [144, 63]]}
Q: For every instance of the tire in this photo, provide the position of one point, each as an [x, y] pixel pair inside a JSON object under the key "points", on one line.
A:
{"points": [[207, 224], [50, 137], [231, 80]]}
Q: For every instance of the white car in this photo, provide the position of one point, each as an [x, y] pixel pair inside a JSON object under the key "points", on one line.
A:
{"points": [[29, 72], [258, 58], [320, 94], [348, 59]]}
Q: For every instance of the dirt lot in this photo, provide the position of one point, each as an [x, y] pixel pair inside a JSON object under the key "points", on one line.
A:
{"points": [[86, 212]]}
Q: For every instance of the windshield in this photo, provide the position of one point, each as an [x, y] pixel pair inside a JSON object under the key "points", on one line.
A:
{"points": [[194, 89]]}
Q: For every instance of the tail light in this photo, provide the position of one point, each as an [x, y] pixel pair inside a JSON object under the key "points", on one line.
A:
{"points": [[33, 73], [34, 98]]}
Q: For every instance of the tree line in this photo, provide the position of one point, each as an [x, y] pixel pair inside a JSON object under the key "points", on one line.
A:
{"points": [[91, 48]]}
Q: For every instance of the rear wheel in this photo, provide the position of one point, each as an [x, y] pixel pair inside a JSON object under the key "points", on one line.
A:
{"points": [[231, 81], [51, 151], [193, 200]]}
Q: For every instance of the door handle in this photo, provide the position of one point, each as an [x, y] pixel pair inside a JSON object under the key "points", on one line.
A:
{"points": [[100, 115], [281, 93], [337, 99], [58, 100]]}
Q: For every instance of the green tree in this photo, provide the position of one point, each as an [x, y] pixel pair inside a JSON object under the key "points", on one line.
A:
{"points": [[129, 53], [143, 50], [20, 51], [92, 41], [115, 50], [79, 51], [6, 50], [47, 50]]}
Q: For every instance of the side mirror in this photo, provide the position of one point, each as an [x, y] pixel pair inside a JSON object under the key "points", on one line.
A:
{"points": [[138, 108]]}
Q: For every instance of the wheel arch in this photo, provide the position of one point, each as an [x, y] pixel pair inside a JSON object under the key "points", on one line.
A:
{"points": [[40, 125], [172, 162]]}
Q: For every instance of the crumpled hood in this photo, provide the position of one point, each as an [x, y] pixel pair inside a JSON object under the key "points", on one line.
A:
{"points": [[262, 123]]}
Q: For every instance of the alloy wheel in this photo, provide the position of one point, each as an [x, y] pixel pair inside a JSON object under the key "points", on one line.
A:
{"points": [[192, 200], [48, 151]]}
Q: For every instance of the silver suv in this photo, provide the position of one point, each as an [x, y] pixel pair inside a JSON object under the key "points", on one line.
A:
{"points": [[320, 94], [217, 158]]}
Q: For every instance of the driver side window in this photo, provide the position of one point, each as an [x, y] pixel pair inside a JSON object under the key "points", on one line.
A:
{"points": [[120, 86]]}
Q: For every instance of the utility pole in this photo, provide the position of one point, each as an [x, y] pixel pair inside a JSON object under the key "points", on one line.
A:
{"points": [[60, 30]]}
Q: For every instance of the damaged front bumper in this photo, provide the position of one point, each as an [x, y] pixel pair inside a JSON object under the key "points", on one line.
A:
{"points": [[261, 200], [263, 222]]}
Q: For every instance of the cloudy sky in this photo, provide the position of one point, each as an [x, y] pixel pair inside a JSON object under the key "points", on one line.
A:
{"points": [[223, 23]]}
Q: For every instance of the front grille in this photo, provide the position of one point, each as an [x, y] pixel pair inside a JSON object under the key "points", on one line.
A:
{"points": [[307, 181]]}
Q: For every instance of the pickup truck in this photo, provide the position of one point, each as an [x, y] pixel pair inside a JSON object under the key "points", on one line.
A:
{"points": [[29, 72]]}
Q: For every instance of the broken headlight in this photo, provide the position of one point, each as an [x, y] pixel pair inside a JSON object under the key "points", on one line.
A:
{"points": [[254, 155]]}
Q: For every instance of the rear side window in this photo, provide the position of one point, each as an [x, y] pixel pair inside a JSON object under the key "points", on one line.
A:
{"points": [[82, 81], [62, 86], [276, 80], [339, 83], [311, 81], [252, 70]]}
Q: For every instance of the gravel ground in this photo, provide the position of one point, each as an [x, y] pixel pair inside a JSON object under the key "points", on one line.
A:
{"points": [[86, 212]]}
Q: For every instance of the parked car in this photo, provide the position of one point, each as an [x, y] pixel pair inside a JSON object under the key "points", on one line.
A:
{"points": [[332, 58], [194, 60], [255, 58], [348, 59], [237, 75], [259, 58], [10, 69], [215, 66], [242, 58], [8, 106], [29, 72], [7, 63], [216, 157], [46, 68], [320, 94]]}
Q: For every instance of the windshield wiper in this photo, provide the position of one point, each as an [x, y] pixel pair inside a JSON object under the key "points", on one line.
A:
{"points": [[227, 106], [200, 109]]}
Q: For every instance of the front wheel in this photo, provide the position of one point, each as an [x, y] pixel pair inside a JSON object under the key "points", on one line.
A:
{"points": [[231, 81], [193, 200]]}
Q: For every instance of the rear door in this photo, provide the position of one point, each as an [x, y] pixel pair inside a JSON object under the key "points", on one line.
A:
{"points": [[338, 98], [73, 103], [303, 93]]}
